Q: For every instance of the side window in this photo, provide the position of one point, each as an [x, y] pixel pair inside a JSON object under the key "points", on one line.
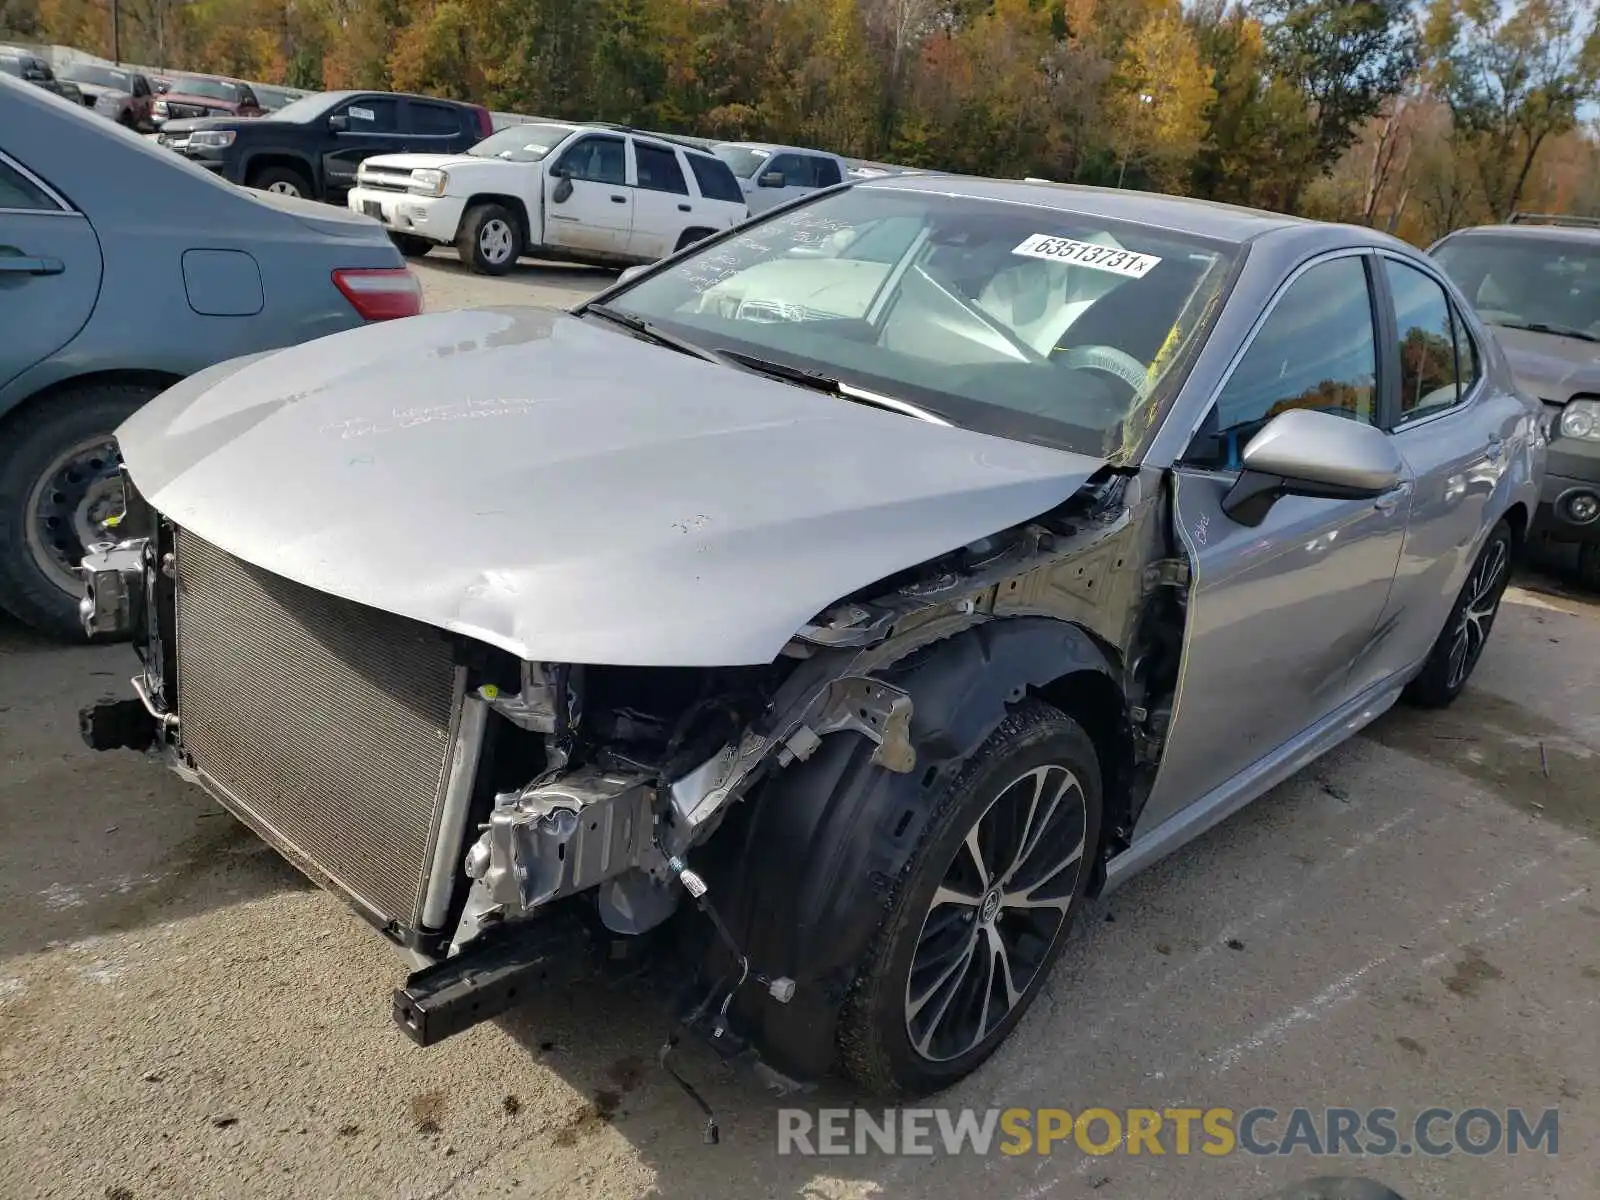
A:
{"points": [[248, 99], [434, 119], [18, 192], [1468, 366], [1427, 341], [373, 114], [141, 86], [795, 170], [1315, 350], [715, 178], [658, 169], [596, 159], [826, 171]]}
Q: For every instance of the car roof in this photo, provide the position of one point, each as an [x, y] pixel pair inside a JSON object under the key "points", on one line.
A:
{"points": [[1536, 230], [335, 97], [1207, 218], [780, 148]]}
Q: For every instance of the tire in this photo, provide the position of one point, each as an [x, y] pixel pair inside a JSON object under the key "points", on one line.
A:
{"points": [[285, 181], [490, 241], [125, 119], [57, 481], [893, 1040], [1460, 644], [410, 245], [1589, 565], [690, 236]]}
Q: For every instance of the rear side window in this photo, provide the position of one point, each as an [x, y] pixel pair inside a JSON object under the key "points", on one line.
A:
{"points": [[17, 191], [434, 118], [373, 114], [715, 178], [1426, 327], [826, 171], [659, 170]]}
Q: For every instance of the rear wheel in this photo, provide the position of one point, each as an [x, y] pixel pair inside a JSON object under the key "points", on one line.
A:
{"points": [[490, 241], [284, 181], [982, 911], [59, 479], [690, 237], [1461, 643]]}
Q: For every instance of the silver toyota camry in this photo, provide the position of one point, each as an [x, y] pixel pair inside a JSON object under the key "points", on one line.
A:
{"points": [[827, 610]]}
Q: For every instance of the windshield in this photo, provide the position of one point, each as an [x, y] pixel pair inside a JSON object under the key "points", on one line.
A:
{"points": [[107, 77], [1032, 323], [743, 161], [522, 143], [1528, 281], [212, 89]]}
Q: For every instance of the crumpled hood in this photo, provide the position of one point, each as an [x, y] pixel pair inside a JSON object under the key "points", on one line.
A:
{"points": [[1548, 366], [567, 492]]}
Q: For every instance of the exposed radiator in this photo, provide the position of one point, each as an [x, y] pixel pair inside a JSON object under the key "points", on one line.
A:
{"points": [[325, 724]]}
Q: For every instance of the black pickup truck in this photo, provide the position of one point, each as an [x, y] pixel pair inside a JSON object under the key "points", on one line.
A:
{"points": [[312, 146]]}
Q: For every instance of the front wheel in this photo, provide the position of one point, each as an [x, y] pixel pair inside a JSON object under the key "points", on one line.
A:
{"points": [[411, 245], [982, 911], [59, 480], [1466, 632], [282, 181], [490, 241]]}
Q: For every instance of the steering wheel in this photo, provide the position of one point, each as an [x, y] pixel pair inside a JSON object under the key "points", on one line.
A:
{"points": [[1108, 360]]}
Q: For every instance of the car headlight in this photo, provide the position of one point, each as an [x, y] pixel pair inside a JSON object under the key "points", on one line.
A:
{"points": [[1581, 419], [160, 108], [427, 181], [216, 139]]}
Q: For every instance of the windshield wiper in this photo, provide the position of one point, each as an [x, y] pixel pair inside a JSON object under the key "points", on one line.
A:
{"points": [[818, 381], [1557, 330], [653, 333]]}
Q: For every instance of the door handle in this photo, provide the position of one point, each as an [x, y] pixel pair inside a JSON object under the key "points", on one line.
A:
{"points": [[684, 208], [619, 199], [32, 266], [1389, 501]]}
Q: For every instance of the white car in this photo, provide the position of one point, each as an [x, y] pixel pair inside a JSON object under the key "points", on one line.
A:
{"points": [[577, 193], [771, 175]]}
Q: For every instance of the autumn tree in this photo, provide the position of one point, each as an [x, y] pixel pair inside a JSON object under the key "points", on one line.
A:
{"points": [[1159, 112], [1513, 79]]}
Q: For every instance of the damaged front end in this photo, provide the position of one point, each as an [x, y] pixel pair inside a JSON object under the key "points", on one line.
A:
{"points": [[509, 821]]}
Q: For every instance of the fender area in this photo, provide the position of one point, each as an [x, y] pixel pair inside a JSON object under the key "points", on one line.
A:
{"points": [[262, 160], [59, 389], [804, 869], [518, 208]]}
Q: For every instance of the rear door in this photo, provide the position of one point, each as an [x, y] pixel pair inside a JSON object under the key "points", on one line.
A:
{"points": [[434, 128], [372, 125], [662, 207], [49, 270], [1280, 610], [1453, 429], [588, 204]]}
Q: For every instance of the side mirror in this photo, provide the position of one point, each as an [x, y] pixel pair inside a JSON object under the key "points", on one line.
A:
{"points": [[562, 190], [629, 274], [772, 179], [339, 122], [1307, 453]]}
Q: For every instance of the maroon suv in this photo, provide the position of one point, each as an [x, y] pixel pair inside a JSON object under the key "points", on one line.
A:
{"points": [[205, 96]]}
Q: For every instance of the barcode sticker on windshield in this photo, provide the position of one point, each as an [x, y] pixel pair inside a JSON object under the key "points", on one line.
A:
{"points": [[1086, 254]]}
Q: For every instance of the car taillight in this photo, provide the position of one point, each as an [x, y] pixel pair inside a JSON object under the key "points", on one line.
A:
{"points": [[485, 122], [381, 293]]}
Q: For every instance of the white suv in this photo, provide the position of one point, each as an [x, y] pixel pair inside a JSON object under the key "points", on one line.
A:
{"points": [[578, 193]]}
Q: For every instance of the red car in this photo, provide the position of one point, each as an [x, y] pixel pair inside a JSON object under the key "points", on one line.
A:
{"points": [[205, 96]]}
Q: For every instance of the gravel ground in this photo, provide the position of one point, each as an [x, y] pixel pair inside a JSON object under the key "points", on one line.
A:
{"points": [[1409, 922]]}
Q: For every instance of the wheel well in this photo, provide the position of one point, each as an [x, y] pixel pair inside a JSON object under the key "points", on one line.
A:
{"points": [[1093, 700], [263, 162], [693, 234], [517, 207], [127, 378], [1517, 518]]}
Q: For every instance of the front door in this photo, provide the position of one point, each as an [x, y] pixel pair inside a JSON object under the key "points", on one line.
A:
{"points": [[1277, 612], [370, 125], [1454, 431], [49, 270], [588, 205]]}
